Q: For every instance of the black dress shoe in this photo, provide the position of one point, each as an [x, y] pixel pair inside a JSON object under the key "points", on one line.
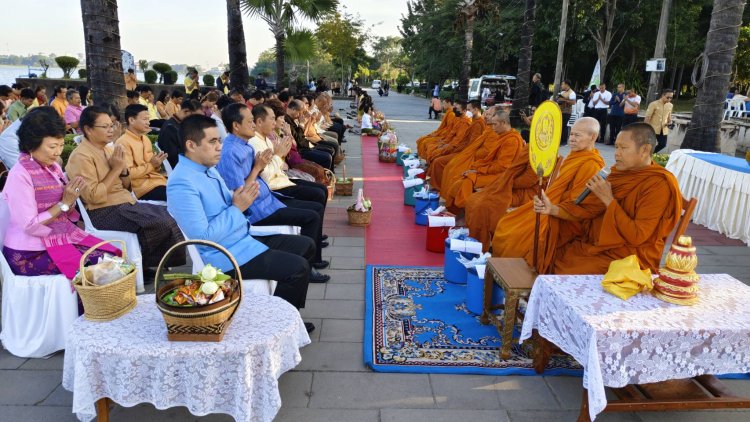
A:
{"points": [[310, 327], [323, 244], [320, 265], [316, 277], [323, 237]]}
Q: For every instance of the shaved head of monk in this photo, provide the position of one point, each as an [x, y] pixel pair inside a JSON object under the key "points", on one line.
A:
{"points": [[501, 122], [488, 114], [583, 134], [634, 145]]}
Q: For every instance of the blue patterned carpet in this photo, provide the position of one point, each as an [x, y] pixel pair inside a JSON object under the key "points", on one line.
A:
{"points": [[417, 322]]}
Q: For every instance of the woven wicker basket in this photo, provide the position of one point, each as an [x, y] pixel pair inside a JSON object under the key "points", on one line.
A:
{"points": [[345, 188], [203, 323], [108, 302], [359, 218]]}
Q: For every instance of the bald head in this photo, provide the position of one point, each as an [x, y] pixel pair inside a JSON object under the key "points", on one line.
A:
{"points": [[583, 134], [489, 114], [502, 116], [634, 145]]}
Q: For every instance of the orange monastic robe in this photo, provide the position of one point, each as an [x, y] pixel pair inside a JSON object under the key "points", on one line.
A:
{"points": [[462, 160], [490, 160], [515, 187], [443, 156], [514, 234], [646, 209], [461, 125], [446, 125]]}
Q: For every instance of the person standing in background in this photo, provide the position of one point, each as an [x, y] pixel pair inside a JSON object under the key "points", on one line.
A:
{"points": [[566, 99], [616, 113], [131, 82], [632, 106], [659, 116]]}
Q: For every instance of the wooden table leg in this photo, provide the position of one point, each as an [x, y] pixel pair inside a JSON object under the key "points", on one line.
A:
{"points": [[102, 409], [583, 416], [509, 321], [542, 351], [488, 282]]}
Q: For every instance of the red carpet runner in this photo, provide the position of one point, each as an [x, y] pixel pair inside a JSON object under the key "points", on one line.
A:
{"points": [[392, 237]]}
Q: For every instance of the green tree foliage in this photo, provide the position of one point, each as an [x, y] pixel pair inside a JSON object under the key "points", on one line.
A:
{"points": [[67, 64], [150, 76], [170, 77], [209, 80], [161, 69], [343, 36], [390, 56], [143, 64], [82, 74]]}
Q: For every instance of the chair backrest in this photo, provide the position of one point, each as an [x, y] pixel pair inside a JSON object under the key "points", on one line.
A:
{"points": [[85, 215]]}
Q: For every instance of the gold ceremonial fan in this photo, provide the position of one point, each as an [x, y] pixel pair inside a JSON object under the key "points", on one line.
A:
{"points": [[544, 141]]}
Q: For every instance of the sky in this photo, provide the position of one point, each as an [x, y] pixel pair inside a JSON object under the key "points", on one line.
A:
{"points": [[171, 31]]}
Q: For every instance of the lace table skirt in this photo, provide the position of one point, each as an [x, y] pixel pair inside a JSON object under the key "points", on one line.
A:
{"points": [[641, 340], [130, 361]]}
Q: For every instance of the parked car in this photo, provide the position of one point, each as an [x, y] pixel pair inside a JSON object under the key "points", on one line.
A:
{"points": [[506, 83], [376, 84]]}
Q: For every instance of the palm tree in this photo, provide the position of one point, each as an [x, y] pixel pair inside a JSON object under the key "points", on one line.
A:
{"points": [[521, 96], [101, 32], [721, 44], [281, 16], [238, 74], [469, 9]]}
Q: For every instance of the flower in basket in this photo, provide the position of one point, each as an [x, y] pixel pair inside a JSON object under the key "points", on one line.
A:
{"points": [[363, 204], [205, 288]]}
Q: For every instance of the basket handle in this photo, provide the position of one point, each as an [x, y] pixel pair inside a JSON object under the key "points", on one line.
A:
{"points": [[84, 257], [159, 269]]}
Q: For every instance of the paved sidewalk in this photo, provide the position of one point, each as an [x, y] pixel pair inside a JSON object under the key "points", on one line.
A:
{"points": [[332, 383]]}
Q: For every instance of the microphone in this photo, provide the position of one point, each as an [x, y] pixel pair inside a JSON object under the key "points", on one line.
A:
{"points": [[587, 191]]}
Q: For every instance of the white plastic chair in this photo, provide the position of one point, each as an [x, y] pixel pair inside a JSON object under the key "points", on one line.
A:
{"points": [[130, 239], [36, 311]]}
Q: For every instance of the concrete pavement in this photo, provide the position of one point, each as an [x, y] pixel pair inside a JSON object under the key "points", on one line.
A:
{"points": [[332, 383]]}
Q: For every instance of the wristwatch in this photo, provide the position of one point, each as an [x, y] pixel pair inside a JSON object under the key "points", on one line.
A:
{"points": [[63, 206]]}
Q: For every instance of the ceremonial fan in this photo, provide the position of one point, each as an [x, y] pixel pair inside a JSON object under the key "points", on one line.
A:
{"points": [[544, 141]]}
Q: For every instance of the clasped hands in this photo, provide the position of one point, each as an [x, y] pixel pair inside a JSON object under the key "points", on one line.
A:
{"points": [[598, 185], [245, 195]]}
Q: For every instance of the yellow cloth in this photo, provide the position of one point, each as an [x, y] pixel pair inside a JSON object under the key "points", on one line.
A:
{"points": [[625, 278]]}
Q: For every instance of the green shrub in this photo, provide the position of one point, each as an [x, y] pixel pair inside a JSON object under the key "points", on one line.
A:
{"points": [[67, 64], [150, 76], [209, 80], [170, 77], [82, 74], [161, 69]]}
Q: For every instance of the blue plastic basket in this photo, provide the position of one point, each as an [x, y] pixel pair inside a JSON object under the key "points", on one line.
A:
{"points": [[423, 204], [453, 270], [409, 195], [475, 293]]}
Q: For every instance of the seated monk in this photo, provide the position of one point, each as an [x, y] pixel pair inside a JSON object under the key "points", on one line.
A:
{"points": [[511, 189], [461, 124], [514, 233], [442, 155], [446, 125], [490, 160], [642, 205], [461, 161]]}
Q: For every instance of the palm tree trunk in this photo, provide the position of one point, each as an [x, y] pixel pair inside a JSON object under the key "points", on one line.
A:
{"points": [[561, 46], [101, 32], [721, 43], [280, 79], [521, 96], [239, 78], [463, 86]]}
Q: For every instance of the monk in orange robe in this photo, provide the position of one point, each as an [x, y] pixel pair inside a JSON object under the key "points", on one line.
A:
{"points": [[461, 140], [490, 160], [514, 233], [461, 124], [513, 188], [446, 125], [641, 202], [443, 156]]}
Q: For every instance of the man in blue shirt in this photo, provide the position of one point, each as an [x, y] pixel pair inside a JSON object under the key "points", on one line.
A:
{"points": [[616, 113], [239, 166], [205, 209]]}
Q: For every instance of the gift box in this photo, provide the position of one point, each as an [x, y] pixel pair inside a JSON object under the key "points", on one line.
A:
{"points": [[455, 271], [422, 204], [475, 291], [438, 226]]}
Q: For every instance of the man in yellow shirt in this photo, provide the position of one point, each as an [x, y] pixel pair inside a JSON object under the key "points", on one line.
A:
{"points": [[145, 179], [191, 82], [147, 98], [60, 104], [659, 116]]}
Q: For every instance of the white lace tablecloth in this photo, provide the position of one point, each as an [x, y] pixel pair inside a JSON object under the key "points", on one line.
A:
{"points": [[130, 361], [643, 339], [723, 194]]}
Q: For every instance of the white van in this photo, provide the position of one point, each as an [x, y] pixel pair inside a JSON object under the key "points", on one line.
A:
{"points": [[506, 83], [376, 84]]}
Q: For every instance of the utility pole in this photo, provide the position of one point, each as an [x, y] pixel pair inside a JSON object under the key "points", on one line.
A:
{"points": [[561, 46], [654, 83]]}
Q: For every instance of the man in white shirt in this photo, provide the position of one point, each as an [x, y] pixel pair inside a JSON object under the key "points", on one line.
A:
{"points": [[600, 103], [566, 99], [632, 105]]}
